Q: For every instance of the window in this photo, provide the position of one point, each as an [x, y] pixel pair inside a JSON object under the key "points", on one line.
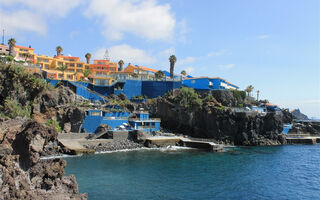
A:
{"points": [[71, 64], [79, 65], [193, 81], [60, 75]]}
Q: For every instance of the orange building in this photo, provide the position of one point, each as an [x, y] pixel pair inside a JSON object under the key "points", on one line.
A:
{"points": [[141, 72], [103, 67], [24, 54]]}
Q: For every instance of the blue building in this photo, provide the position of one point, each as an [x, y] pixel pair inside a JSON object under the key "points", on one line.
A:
{"points": [[120, 120], [207, 83], [96, 117], [142, 122]]}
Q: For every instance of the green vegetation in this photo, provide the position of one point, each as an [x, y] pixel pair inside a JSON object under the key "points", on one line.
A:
{"points": [[239, 95], [159, 74], [172, 60], [184, 73], [188, 98], [13, 109], [249, 89], [140, 97], [63, 68], [10, 58], [118, 102], [55, 124], [86, 73], [18, 90]]}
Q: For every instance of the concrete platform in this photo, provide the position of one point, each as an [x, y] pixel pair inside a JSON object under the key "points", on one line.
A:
{"points": [[162, 141], [302, 139], [74, 147], [209, 146]]}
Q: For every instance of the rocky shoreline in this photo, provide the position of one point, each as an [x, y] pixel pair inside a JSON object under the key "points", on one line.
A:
{"points": [[23, 174], [114, 146]]}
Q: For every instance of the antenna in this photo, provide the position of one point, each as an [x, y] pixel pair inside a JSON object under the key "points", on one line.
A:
{"points": [[2, 36], [106, 55]]}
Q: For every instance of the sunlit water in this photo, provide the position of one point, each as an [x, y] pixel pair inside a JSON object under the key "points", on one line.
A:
{"points": [[281, 172]]}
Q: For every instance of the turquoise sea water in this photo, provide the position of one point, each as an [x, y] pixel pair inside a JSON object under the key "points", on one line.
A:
{"points": [[281, 172]]}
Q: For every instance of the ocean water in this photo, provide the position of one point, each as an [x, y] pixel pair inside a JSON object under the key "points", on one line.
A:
{"points": [[279, 172]]}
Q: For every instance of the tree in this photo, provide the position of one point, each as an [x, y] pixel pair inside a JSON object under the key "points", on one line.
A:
{"points": [[184, 73], [121, 63], [11, 43], [249, 89], [159, 74], [86, 73], [172, 60], [59, 50], [63, 68], [88, 57]]}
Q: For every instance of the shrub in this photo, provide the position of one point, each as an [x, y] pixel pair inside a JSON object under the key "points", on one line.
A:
{"points": [[14, 109], [239, 95], [55, 124], [188, 98]]}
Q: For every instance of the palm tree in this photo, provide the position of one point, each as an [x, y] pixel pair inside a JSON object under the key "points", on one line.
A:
{"points": [[120, 65], [11, 43], [63, 68], [88, 57], [159, 74], [249, 89], [172, 60], [59, 50], [184, 73], [86, 73]]}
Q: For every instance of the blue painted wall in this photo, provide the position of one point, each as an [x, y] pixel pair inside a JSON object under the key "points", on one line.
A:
{"points": [[203, 84], [154, 89], [92, 122], [131, 88]]}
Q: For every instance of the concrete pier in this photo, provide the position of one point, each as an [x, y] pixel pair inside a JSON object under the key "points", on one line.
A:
{"points": [[208, 146], [163, 141], [302, 139]]}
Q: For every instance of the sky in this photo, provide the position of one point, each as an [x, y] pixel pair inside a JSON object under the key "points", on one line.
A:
{"points": [[273, 45]]}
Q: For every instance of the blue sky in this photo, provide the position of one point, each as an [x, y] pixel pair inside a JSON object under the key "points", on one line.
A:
{"points": [[273, 45]]}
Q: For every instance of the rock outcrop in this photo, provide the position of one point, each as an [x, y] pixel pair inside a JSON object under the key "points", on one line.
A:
{"points": [[210, 120], [298, 115], [23, 175], [307, 127]]}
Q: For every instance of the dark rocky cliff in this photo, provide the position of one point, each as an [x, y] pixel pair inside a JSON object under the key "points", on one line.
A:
{"points": [[23, 174], [27, 104], [206, 118]]}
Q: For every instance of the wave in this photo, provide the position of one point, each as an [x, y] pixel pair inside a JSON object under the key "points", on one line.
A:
{"points": [[58, 156]]}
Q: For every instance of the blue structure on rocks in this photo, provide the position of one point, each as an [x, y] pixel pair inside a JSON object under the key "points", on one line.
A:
{"points": [[120, 120], [95, 118], [142, 122], [207, 83]]}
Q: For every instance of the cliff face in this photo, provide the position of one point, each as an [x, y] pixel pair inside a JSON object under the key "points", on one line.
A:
{"points": [[210, 120], [23, 174]]}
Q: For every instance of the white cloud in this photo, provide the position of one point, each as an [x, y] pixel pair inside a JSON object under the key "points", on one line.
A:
{"points": [[32, 15], [186, 60], [17, 21], [144, 18], [261, 37], [217, 53], [229, 66], [127, 53]]}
